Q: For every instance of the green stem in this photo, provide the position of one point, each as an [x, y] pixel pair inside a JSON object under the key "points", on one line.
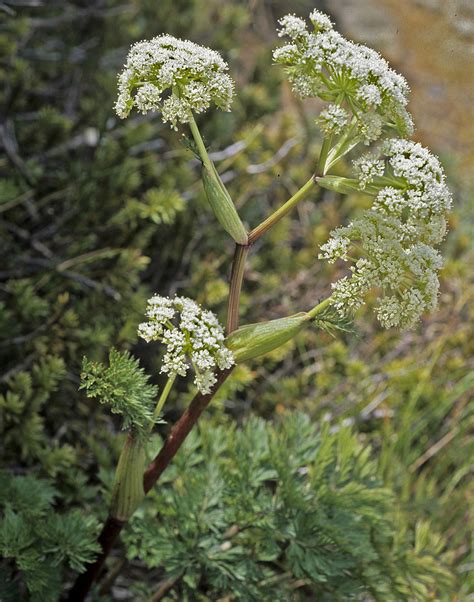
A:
{"points": [[200, 144], [257, 232], [236, 279], [323, 155], [216, 192], [344, 145], [319, 308], [163, 398]]}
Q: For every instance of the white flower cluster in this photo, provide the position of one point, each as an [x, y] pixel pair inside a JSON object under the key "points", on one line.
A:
{"points": [[333, 119], [395, 239], [368, 167], [323, 63], [191, 335], [195, 76]]}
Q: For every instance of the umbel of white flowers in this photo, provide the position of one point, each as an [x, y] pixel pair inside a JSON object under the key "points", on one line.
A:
{"points": [[174, 77], [365, 93], [191, 336], [391, 246]]}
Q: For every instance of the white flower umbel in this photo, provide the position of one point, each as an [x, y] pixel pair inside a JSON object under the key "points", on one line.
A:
{"points": [[324, 64], [368, 167], [192, 336], [332, 120], [174, 77], [391, 246]]}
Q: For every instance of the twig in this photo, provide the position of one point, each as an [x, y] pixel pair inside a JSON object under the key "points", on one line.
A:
{"points": [[434, 449], [280, 154], [7, 136], [112, 576], [164, 588]]}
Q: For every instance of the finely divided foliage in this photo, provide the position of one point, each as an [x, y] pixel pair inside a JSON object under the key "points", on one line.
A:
{"points": [[39, 540], [124, 386], [173, 76], [258, 512], [189, 334]]}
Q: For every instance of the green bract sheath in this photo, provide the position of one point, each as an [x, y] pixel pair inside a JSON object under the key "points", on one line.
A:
{"points": [[252, 340], [223, 206], [338, 184], [128, 490]]}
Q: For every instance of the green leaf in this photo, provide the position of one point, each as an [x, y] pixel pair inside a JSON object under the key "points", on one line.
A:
{"points": [[124, 386]]}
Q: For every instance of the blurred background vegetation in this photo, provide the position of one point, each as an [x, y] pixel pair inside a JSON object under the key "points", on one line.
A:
{"points": [[97, 214]]}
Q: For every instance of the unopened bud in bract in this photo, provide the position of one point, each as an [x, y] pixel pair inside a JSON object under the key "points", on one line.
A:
{"points": [[338, 184], [128, 489], [252, 340], [223, 206]]}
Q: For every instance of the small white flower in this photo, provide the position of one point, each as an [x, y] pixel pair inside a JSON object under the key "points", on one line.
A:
{"points": [[394, 240], [194, 76], [367, 168], [323, 63], [390, 201], [204, 381], [147, 331], [369, 127], [191, 335], [332, 120], [369, 94], [224, 358], [292, 26], [335, 248], [320, 21]]}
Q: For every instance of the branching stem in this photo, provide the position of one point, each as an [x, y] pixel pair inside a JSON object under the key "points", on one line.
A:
{"points": [[235, 287], [319, 308], [112, 527], [200, 144], [257, 232]]}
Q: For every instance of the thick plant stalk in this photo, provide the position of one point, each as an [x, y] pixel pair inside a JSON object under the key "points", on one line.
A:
{"points": [[236, 279], [110, 532], [241, 251], [179, 432], [113, 526], [128, 492]]}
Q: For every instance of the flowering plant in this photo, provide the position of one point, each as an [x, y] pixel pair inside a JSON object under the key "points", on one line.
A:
{"points": [[390, 246], [193, 76], [366, 96], [198, 336], [395, 238]]}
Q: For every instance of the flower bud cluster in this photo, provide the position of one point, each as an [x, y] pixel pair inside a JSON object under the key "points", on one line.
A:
{"points": [[324, 64], [191, 336], [333, 120], [392, 245], [174, 77]]}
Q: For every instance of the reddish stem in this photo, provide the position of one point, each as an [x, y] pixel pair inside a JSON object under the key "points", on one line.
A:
{"points": [[110, 532], [112, 526], [179, 432]]}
